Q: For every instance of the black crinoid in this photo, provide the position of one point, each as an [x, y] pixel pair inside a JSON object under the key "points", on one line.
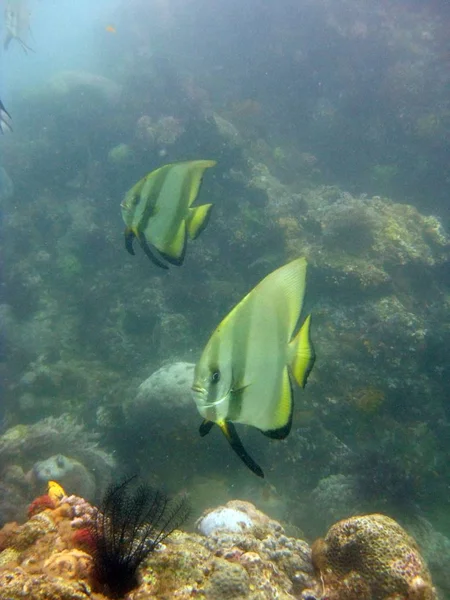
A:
{"points": [[132, 521]]}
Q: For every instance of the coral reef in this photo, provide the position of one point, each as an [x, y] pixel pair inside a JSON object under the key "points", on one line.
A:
{"points": [[158, 134], [371, 558], [80, 462], [260, 563]]}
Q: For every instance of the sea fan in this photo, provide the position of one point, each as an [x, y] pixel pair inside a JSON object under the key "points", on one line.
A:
{"points": [[128, 527]]}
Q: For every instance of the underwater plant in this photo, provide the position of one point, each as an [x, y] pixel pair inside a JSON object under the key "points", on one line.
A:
{"points": [[128, 527]]}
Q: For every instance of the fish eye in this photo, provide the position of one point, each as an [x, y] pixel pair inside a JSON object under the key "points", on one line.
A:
{"points": [[215, 377]]}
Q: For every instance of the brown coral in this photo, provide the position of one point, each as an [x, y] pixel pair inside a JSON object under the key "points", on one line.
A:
{"points": [[371, 558]]}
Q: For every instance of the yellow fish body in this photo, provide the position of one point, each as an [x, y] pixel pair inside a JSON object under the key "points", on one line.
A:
{"points": [[245, 371], [55, 492], [157, 211]]}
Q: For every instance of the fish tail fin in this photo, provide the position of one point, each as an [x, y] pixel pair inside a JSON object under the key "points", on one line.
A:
{"points": [[198, 219], [230, 433], [301, 353]]}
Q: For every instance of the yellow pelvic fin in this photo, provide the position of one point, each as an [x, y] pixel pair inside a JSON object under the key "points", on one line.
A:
{"points": [[197, 220], [301, 353]]}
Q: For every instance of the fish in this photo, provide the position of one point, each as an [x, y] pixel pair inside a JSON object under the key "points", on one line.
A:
{"points": [[5, 118], [110, 29], [55, 492], [246, 370], [17, 24], [157, 211]]}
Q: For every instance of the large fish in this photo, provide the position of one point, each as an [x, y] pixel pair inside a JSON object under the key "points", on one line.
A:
{"points": [[17, 23], [5, 118], [245, 372], [157, 211]]}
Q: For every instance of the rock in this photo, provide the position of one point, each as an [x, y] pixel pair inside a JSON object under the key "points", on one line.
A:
{"points": [[164, 418], [70, 473], [168, 389], [67, 83]]}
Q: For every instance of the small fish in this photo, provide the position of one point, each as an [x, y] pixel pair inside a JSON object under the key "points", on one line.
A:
{"points": [[17, 24], [110, 29], [245, 372], [55, 492], [5, 118], [157, 211]]}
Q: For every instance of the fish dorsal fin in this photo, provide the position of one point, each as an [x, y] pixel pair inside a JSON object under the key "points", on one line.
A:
{"points": [[197, 220], [288, 281], [196, 170], [301, 353]]}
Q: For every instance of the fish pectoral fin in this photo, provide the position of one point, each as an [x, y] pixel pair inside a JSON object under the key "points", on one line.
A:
{"points": [[282, 416], [129, 237], [149, 253], [230, 433], [198, 219], [205, 427], [301, 353], [175, 250]]}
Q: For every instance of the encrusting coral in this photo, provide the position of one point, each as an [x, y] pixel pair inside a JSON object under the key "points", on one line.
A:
{"points": [[53, 556]]}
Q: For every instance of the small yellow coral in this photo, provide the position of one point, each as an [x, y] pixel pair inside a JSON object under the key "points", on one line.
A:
{"points": [[8, 556]]}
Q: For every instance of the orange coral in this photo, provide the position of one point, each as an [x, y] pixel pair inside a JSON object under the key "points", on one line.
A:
{"points": [[371, 558]]}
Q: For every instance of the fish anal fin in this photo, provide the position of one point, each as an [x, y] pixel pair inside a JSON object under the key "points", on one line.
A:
{"points": [[230, 433], [301, 353], [198, 219], [282, 417], [149, 253], [205, 427]]}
